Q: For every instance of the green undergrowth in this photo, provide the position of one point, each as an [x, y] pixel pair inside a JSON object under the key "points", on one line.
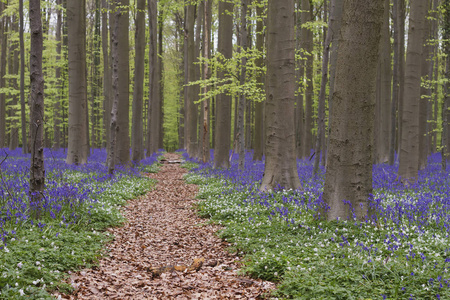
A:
{"points": [[313, 259], [34, 263]]}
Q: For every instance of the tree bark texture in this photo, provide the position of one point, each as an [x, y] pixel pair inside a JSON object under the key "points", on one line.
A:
{"points": [[137, 145], [350, 154], [3, 37], [259, 106], [384, 91], [223, 104], [37, 169], [409, 152], [107, 76], [191, 108], [242, 96], [281, 163], [76, 29], [123, 118], [22, 79], [207, 21]]}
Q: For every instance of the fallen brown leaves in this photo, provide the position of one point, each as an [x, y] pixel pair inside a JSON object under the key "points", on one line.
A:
{"points": [[162, 253]]}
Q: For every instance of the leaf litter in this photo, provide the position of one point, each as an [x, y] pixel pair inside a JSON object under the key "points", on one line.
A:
{"points": [[163, 253]]}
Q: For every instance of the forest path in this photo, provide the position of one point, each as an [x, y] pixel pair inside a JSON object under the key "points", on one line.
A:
{"points": [[163, 230]]}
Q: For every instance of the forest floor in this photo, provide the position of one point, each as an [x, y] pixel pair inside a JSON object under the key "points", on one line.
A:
{"points": [[165, 251]]}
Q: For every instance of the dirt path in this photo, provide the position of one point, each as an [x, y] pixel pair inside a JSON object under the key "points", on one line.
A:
{"points": [[163, 231]]}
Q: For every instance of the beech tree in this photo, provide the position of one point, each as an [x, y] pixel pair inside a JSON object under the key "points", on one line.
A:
{"points": [[223, 107], [281, 164], [37, 169], [137, 143], [77, 151], [123, 108], [3, 37], [409, 151], [349, 165]]}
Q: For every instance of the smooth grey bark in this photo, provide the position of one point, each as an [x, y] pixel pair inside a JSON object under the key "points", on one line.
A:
{"points": [[445, 138], [107, 76], [207, 22], [242, 96], [382, 106], [137, 141], [22, 79], [37, 168], [191, 108], [259, 106], [198, 75], [281, 163], [77, 135], [400, 31], [3, 37], [409, 151], [349, 165], [335, 27], [111, 160], [123, 118], [154, 95], [223, 105]]}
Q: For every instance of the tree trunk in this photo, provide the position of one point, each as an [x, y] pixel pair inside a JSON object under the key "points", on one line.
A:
{"points": [[22, 79], [395, 83], [37, 169], [242, 96], [123, 119], [207, 20], [198, 75], [76, 28], [223, 104], [3, 37], [160, 78], [400, 31], [335, 27], [107, 76], [259, 106], [281, 164], [445, 139], [308, 45], [384, 91], [191, 108], [348, 182], [111, 160], [137, 145], [409, 152], [154, 100]]}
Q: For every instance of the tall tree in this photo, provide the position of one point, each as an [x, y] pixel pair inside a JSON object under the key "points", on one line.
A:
{"points": [[154, 95], [349, 164], [207, 21], [383, 94], [445, 141], [77, 151], [308, 45], [111, 160], [58, 96], [281, 163], [191, 107], [409, 151], [37, 169], [107, 76], [137, 142], [123, 118], [13, 72], [22, 79], [242, 96], [259, 106], [3, 36], [223, 105]]}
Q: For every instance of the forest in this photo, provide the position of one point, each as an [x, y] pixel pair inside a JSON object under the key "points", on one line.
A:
{"points": [[224, 149]]}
